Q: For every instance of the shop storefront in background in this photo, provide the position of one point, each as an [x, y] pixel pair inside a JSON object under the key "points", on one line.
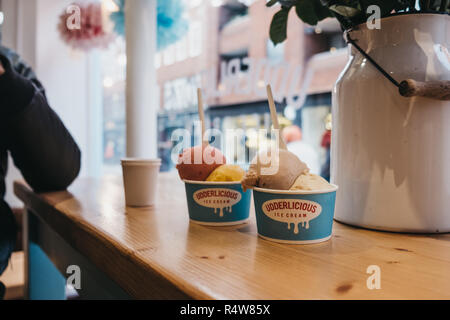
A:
{"points": [[313, 119]]}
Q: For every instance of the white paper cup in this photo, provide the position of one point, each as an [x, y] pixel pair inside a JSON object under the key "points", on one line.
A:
{"points": [[140, 177]]}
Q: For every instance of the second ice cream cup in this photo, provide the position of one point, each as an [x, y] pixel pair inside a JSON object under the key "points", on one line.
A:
{"points": [[217, 203], [295, 217]]}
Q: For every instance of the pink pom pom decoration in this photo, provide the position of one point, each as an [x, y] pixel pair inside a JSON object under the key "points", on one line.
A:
{"points": [[90, 34]]}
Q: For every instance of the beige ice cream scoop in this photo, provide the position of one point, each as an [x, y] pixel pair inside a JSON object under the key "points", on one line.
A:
{"points": [[278, 171], [309, 181]]}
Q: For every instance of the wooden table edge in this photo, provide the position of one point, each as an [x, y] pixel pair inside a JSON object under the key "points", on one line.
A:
{"points": [[172, 287]]}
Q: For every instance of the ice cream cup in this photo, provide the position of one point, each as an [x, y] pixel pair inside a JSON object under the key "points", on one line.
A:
{"points": [[217, 203], [295, 217]]}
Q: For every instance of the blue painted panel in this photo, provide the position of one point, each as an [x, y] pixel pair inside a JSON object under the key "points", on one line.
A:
{"points": [[45, 281]]}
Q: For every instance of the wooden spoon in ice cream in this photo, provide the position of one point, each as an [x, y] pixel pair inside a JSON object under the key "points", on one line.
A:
{"points": [[274, 116], [274, 171], [197, 163]]}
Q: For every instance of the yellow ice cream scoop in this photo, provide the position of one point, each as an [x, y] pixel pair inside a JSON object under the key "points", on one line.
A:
{"points": [[227, 172]]}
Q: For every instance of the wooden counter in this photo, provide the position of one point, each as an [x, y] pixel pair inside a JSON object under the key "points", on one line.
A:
{"points": [[157, 253]]}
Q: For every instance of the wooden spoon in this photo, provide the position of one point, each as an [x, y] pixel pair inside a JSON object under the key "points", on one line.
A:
{"points": [[201, 114], [274, 116]]}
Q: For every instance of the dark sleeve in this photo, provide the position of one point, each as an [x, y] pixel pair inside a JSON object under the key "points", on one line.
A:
{"points": [[8, 230], [8, 226], [39, 143]]}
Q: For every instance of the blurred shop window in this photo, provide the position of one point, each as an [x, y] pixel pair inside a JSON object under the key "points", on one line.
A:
{"points": [[176, 94], [158, 59], [319, 40], [181, 93], [231, 11], [169, 55], [195, 39], [275, 54], [192, 3], [236, 55], [181, 48], [188, 46], [113, 73], [179, 85], [336, 41]]}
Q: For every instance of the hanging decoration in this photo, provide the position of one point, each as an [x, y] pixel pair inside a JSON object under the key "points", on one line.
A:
{"points": [[118, 18], [81, 27], [170, 21]]}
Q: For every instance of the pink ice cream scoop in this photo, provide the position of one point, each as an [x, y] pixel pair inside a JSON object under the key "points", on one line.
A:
{"points": [[198, 162]]}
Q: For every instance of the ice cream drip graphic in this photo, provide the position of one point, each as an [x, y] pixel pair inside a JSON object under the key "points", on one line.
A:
{"points": [[292, 211], [222, 209], [305, 224], [219, 199]]}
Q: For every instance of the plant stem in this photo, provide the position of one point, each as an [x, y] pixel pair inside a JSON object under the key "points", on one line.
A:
{"points": [[344, 22], [363, 5], [424, 5], [412, 5]]}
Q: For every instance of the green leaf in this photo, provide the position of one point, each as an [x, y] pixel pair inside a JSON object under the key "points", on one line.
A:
{"points": [[278, 26], [271, 3], [322, 11], [345, 11], [305, 10]]}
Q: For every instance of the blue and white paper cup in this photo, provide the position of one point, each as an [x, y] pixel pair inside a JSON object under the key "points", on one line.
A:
{"points": [[295, 216], [217, 203]]}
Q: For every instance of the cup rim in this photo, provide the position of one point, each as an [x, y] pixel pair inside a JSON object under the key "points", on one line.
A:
{"points": [[140, 161], [211, 182], [299, 192]]}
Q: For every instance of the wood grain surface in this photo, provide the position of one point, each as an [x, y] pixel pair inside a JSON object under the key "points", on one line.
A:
{"points": [[157, 253]]}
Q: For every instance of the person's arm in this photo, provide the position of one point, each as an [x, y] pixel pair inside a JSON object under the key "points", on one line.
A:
{"points": [[8, 231], [8, 226], [40, 145]]}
